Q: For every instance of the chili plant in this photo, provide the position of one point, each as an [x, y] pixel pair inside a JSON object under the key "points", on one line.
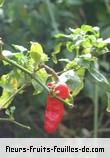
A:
{"points": [[28, 67]]}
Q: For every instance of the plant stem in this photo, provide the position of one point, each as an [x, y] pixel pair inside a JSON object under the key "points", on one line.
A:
{"points": [[52, 16], [108, 106], [1, 44], [15, 122], [24, 70], [96, 109], [63, 101]]}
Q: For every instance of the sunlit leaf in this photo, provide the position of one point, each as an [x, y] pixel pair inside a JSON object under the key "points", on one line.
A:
{"points": [[37, 53], [1, 3], [57, 50], [3, 99], [20, 48]]}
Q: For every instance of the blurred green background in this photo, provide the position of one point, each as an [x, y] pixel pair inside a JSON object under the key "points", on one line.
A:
{"points": [[22, 21]]}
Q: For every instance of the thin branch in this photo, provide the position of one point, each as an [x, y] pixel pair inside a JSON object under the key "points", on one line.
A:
{"points": [[50, 70], [15, 122], [63, 101], [1, 45]]}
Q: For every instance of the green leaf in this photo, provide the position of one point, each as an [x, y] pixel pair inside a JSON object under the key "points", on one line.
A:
{"points": [[42, 76], [7, 112], [36, 47], [70, 46], [73, 80], [100, 43], [86, 43], [93, 30], [86, 28], [61, 35], [12, 109], [100, 78], [57, 50], [64, 60], [20, 58], [71, 65], [84, 61], [3, 98], [9, 83], [1, 3], [36, 52]]}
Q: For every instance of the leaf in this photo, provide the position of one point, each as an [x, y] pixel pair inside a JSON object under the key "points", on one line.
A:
{"points": [[3, 98], [73, 80], [61, 35], [36, 52], [20, 58], [107, 41], [36, 47], [57, 50], [1, 3], [84, 61], [9, 82], [86, 43], [6, 82], [86, 28], [100, 78], [100, 43], [20, 48], [64, 60], [42, 76], [7, 53], [12, 109], [70, 46]]}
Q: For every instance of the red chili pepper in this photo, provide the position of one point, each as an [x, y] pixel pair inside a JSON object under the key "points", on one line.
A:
{"points": [[53, 114], [62, 90], [55, 108]]}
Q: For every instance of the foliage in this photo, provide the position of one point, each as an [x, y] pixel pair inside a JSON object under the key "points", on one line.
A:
{"points": [[74, 51]]}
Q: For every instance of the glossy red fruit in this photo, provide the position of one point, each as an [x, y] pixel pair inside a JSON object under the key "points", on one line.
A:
{"points": [[53, 114], [62, 90], [54, 107]]}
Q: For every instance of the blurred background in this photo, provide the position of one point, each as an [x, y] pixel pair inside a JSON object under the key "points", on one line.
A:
{"points": [[22, 21]]}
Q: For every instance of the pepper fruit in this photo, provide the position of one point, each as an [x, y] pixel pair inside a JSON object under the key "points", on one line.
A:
{"points": [[54, 107], [62, 90], [53, 114]]}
